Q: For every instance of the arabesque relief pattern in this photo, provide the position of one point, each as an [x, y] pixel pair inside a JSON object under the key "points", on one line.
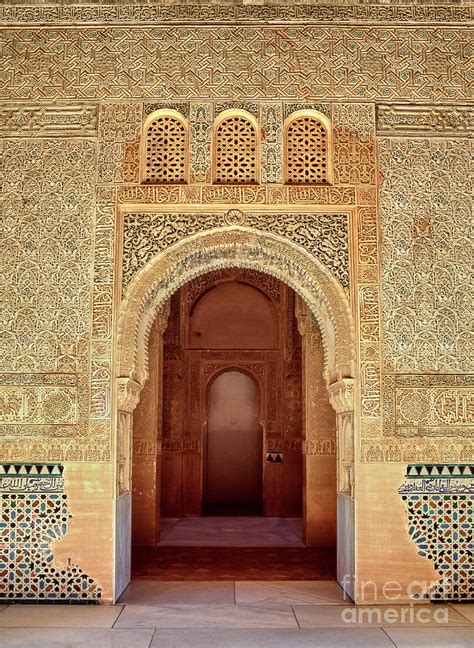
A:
{"points": [[47, 228], [427, 278], [360, 62], [324, 236]]}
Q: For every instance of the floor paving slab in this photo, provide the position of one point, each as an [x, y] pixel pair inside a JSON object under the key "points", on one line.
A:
{"points": [[146, 592], [290, 593], [59, 616], [273, 638], [432, 637], [377, 616], [75, 638], [466, 609], [206, 616]]}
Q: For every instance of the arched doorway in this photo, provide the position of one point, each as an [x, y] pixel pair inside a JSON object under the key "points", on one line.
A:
{"points": [[233, 447], [322, 297], [227, 320]]}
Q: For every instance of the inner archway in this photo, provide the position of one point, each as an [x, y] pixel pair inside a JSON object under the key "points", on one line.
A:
{"points": [[233, 448], [324, 302]]}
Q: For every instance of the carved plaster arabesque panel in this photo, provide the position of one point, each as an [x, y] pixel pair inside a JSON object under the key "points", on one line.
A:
{"points": [[425, 120], [48, 120], [429, 405], [427, 282], [324, 236], [45, 346], [307, 61]]}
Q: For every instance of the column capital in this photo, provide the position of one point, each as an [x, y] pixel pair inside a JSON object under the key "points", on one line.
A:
{"points": [[128, 394], [341, 395]]}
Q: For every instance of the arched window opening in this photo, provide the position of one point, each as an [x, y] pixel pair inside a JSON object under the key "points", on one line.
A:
{"points": [[308, 148], [235, 148], [165, 147]]}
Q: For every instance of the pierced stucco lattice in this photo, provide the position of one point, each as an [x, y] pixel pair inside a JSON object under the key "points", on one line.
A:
{"points": [[306, 151], [165, 150], [236, 151]]}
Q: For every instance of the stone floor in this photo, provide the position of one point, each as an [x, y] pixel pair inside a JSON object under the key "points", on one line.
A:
{"points": [[233, 549], [236, 615], [241, 531]]}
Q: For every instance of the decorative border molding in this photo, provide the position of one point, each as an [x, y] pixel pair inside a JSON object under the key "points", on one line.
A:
{"points": [[213, 194], [35, 120], [127, 14], [433, 471], [396, 119], [320, 63]]}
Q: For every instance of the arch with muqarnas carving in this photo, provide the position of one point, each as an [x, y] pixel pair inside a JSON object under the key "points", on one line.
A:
{"points": [[146, 299]]}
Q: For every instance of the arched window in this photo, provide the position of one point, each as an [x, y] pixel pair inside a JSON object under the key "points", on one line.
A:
{"points": [[165, 148], [308, 148], [235, 148]]}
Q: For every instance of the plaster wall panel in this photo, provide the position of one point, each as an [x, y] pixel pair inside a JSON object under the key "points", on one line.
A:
{"points": [[386, 557], [346, 561], [320, 501], [123, 543], [90, 537]]}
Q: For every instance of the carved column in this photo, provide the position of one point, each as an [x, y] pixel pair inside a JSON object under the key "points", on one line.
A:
{"points": [[128, 394], [341, 396], [319, 447]]}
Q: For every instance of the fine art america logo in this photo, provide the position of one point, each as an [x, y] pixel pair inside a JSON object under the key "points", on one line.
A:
{"points": [[395, 610]]}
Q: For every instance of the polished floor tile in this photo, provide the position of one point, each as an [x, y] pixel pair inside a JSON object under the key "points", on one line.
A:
{"points": [[310, 616], [147, 592], [60, 616], [466, 609], [206, 616], [227, 531], [432, 637], [290, 593], [273, 638], [75, 638]]}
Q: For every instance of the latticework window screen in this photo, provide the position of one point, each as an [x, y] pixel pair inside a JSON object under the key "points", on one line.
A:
{"points": [[307, 151], [235, 151], [165, 150]]}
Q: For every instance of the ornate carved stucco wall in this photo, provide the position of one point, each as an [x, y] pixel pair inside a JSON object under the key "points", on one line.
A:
{"points": [[74, 101]]}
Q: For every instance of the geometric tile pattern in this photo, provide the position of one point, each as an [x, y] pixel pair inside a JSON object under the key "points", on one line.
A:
{"points": [[35, 513], [440, 470], [440, 502], [355, 62]]}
